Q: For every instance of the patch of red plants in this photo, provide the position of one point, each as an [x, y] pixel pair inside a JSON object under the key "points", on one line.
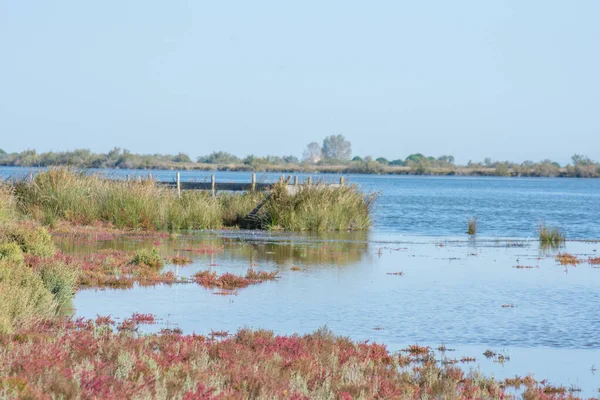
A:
{"points": [[229, 281], [97, 360], [567, 259]]}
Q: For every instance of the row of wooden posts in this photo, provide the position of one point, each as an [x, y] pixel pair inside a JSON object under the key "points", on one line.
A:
{"points": [[292, 181]]}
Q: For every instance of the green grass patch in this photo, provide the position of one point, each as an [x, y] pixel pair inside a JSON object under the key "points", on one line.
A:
{"points": [[79, 198]]}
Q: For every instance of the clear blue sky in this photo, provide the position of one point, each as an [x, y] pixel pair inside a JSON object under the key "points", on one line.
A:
{"points": [[510, 80]]}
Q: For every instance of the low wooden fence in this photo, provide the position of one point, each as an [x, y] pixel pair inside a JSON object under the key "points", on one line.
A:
{"points": [[293, 182]]}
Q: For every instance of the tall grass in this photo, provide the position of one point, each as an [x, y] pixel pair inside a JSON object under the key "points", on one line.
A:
{"points": [[7, 203], [550, 235], [62, 194], [472, 226], [316, 208]]}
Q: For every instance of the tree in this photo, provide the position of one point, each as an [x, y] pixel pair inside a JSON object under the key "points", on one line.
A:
{"points": [[182, 157], [336, 149], [382, 160], [579, 159], [219, 157], [415, 158], [357, 158], [313, 153], [2, 152]]}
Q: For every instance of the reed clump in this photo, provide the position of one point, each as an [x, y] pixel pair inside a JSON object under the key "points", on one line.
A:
{"points": [[552, 236], [84, 199], [316, 208], [472, 226]]}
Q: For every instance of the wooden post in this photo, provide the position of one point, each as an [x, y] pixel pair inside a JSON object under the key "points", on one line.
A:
{"points": [[128, 178], [296, 180], [309, 180], [253, 185], [281, 178], [212, 181], [342, 181], [31, 177], [149, 176], [178, 177]]}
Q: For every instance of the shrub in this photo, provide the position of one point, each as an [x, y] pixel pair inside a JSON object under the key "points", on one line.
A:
{"points": [[60, 279], [33, 240], [148, 257], [11, 252], [23, 298]]}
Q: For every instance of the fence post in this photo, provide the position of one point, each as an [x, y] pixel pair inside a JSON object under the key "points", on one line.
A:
{"points": [[281, 178], [309, 180], [178, 184], [253, 185], [342, 181], [296, 180], [128, 177], [149, 176], [212, 181]]}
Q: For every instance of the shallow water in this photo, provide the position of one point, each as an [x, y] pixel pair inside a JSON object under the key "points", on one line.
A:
{"points": [[452, 291]]}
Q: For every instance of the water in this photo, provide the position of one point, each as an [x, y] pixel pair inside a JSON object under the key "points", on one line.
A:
{"points": [[440, 206], [452, 290]]}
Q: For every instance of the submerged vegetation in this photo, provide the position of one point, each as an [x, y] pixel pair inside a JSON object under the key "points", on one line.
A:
{"points": [[79, 198]]}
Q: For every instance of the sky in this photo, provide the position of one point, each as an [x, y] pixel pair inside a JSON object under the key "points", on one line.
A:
{"points": [[511, 80]]}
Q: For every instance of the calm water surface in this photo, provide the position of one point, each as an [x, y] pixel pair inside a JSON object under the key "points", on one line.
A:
{"points": [[452, 289]]}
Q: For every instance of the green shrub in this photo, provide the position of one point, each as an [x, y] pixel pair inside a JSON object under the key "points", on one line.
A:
{"points": [[60, 279], [23, 298], [33, 240], [11, 252], [148, 257]]}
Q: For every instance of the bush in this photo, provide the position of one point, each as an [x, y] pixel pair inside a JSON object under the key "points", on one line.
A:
{"points": [[148, 257], [23, 298], [32, 240], [11, 252], [60, 279]]}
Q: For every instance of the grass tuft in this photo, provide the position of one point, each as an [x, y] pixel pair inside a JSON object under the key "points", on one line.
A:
{"points": [[472, 226], [550, 235]]}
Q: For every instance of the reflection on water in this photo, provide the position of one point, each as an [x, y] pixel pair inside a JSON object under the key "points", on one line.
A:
{"points": [[245, 247]]}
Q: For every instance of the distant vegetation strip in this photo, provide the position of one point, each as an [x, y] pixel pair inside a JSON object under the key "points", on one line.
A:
{"points": [[333, 156]]}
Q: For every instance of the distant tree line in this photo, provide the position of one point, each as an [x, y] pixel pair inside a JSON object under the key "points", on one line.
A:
{"points": [[334, 154]]}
